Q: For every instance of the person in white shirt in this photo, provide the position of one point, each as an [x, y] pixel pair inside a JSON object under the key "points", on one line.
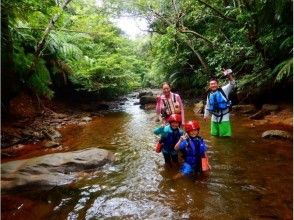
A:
{"points": [[218, 106]]}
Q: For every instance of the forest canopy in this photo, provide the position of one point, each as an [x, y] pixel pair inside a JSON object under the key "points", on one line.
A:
{"points": [[50, 46]]}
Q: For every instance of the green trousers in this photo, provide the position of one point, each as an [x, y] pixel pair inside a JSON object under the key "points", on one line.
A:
{"points": [[222, 129]]}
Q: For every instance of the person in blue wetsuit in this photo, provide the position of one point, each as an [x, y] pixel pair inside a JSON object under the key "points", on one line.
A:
{"points": [[194, 149], [170, 135]]}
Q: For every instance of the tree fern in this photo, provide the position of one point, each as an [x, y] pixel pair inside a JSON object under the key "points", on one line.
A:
{"points": [[40, 80], [284, 71]]}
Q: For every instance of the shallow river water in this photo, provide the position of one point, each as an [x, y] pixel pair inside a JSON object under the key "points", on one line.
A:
{"points": [[251, 178]]}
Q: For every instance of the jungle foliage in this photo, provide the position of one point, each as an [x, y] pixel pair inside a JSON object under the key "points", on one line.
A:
{"points": [[189, 41], [82, 48]]}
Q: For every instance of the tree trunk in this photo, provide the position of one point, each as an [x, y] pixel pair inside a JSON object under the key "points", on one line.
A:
{"points": [[41, 43], [203, 63]]}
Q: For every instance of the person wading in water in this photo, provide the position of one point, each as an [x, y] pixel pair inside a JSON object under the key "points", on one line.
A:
{"points": [[218, 105], [168, 103]]}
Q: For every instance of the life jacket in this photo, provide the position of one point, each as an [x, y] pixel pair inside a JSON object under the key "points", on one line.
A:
{"points": [[194, 151], [170, 107], [219, 104], [169, 141]]}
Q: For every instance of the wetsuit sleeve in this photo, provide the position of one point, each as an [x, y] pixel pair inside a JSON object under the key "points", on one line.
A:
{"points": [[158, 105], [206, 112], [158, 130], [228, 88], [182, 108], [183, 145]]}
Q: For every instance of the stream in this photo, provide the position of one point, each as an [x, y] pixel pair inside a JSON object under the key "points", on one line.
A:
{"points": [[251, 177]]}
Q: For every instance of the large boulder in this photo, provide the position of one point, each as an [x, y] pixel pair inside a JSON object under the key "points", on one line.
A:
{"points": [[145, 93], [270, 108], [265, 110], [53, 169], [244, 109], [147, 99], [277, 134]]}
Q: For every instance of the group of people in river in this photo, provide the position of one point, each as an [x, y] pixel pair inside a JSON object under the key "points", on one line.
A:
{"points": [[178, 135]]}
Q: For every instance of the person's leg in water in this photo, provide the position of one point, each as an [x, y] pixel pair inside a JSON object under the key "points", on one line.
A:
{"points": [[167, 160], [186, 170], [175, 159]]}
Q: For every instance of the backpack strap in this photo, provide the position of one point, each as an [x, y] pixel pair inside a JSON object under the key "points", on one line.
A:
{"points": [[223, 93], [174, 96]]}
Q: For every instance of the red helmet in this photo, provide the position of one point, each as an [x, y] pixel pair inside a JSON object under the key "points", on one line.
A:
{"points": [[192, 125], [175, 117]]}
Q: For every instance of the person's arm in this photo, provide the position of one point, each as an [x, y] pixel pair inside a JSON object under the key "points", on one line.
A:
{"points": [[182, 143], [206, 107], [182, 108], [158, 106], [231, 84], [158, 130]]}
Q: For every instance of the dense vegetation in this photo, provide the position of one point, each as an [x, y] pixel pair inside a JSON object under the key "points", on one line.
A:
{"points": [[81, 50], [194, 39], [56, 47]]}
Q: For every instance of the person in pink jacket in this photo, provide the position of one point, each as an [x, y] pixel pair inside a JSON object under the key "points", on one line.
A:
{"points": [[169, 103]]}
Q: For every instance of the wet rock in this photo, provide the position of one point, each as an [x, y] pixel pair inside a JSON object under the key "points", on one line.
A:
{"points": [[268, 107], [123, 99], [102, 106], [58, 120], [59, 115], [136, 103], [265, 110], [147, 99], [52, 134], [121, 103], [27, 132], [58, 126], [96, 114], [82, 123], [50, 144], [38, 135], [145, 93], [86, 119], [259, 115], [8, 140], [53, 169], [148, 106], [277, 134], [199, 108], [133, 96], [244, 109]]}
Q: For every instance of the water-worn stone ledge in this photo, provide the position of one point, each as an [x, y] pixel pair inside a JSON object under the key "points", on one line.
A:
{"points": [[277, 134], [52, 169]]}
